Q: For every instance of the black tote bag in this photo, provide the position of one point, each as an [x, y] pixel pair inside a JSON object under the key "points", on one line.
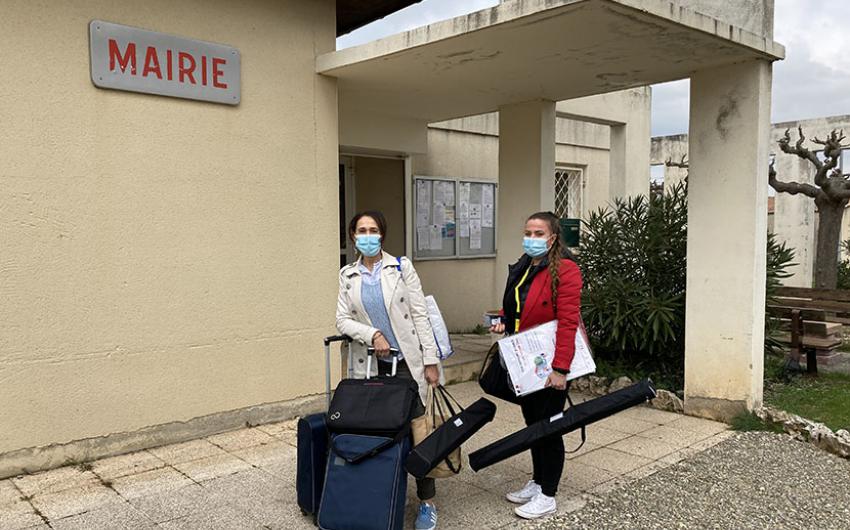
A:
{"points": [[456, 429], [494, 378], [571, 419]]}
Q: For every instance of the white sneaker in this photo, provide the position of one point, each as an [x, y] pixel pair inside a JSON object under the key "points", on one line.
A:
{"points": [[525, 494], [539, 506]]}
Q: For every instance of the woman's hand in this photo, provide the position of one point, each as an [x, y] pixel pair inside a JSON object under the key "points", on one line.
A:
{"points": [[432, 374], [381, 345], [557, 380], [498, 327]]}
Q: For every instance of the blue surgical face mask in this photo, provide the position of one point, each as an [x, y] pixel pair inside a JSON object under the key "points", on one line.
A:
{"points": [[368, 244], [535, 246]]}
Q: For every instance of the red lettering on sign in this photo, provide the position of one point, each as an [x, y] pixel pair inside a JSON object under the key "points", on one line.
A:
{"points": [[204, 70], [216, 73], [168, 62], [128, 59], [186, 70], [151, 63]]}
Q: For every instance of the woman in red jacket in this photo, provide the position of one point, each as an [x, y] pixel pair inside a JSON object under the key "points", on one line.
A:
{"points": [[542, 286]]}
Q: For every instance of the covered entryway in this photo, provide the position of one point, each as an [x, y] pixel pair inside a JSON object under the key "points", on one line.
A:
{"points": [[521, 57]]}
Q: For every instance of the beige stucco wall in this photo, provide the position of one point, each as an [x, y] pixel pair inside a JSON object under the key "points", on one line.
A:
{"points": [[154, 266], [380, 186]]}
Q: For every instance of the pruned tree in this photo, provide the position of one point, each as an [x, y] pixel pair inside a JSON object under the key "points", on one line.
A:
{"points": [[831, 193], [683, 164]]}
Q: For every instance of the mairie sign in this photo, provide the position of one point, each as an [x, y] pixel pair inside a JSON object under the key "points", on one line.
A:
{"points": [[134, 59]]}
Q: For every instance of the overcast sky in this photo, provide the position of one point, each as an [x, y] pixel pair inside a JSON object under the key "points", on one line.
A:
{"points": [[813, 80]]}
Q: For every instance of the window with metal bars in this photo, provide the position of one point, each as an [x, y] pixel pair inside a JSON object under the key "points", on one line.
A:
{"points": [[568, 192]]}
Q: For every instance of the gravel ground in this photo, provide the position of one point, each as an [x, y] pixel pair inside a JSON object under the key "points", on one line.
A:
{"points": [[751, 480]]}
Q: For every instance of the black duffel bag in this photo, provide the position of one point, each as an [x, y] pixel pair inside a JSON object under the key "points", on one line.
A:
{"points": [[455, 430], [573, 418], [378, 406], [494, 378]]}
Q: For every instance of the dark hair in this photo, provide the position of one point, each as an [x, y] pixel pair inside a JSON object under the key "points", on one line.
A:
{"points": [[379, 218], [557, 251]]}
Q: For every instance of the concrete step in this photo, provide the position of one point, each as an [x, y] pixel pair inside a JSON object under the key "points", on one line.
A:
{"points": [[465, 364]]}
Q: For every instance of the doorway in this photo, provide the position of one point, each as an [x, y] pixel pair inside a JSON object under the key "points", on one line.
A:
{"points": [[372, 183], [347, 206]]}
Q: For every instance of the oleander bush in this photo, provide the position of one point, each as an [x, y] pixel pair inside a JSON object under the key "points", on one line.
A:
{"points": [[633, 261]]}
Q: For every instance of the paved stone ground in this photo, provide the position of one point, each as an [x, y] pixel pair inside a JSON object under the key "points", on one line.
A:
{"points": [[751, 480], [246, 479]]}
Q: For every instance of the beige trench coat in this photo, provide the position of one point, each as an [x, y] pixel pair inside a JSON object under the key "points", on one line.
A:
{"points": [[405, 303]]}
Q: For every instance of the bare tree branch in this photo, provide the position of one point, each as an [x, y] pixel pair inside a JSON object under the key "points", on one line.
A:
{"points": [[683, 164], [792, 187], [802, 152], [832, 153]]}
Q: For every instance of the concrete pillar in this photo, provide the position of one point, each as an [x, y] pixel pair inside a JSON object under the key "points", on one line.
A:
{"points": [[618, 165], [630, 156], [526, 174], [727, 230]]}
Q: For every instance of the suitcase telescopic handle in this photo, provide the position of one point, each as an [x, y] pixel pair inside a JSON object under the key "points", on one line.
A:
{"points": [[328, 341], [336, 338], [370, 352]]}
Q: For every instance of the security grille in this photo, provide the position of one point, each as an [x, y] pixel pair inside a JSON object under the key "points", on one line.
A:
{"points": [[568, 192]]}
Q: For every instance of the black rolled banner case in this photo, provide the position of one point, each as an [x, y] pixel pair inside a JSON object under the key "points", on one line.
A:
{"points": [[570, 420], [449, 436]]}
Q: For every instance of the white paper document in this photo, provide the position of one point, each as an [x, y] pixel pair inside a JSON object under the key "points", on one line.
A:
{"points": [[439, 193], [475, 234], [439, 215], [436, 237], [474, 211], [449, 193], [487, 215], [423, 203], [423, 238], [528, 357], [487, 194]]}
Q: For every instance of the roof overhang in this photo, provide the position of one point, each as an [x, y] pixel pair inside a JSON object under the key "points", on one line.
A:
{"points": [[524, 50]]}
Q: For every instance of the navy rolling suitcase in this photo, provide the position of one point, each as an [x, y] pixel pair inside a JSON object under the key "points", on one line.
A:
{"points": [[313, 440], [312, 460], [369, 494]]}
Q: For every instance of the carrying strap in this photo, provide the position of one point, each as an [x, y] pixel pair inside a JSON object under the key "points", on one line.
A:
{"points": [[401, 275], [583, 428], [435, 406], [389, 442]]}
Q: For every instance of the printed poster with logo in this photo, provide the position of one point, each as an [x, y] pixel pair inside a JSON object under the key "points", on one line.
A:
{"points": [[528, 357]]}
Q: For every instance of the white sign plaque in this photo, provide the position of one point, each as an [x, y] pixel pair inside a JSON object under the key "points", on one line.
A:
{"points": [[138, 60]]}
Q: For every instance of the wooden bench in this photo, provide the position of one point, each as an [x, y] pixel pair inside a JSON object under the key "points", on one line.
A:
{"points": [[812, 321]]}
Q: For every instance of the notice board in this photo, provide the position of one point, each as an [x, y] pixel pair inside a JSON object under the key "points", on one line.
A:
{"points": [[454, 218]]}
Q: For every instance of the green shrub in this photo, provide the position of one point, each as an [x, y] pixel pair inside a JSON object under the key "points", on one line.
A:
{"points": [[843, 274], [633, 264], [633, 261], [779, 259], [844, 268]]}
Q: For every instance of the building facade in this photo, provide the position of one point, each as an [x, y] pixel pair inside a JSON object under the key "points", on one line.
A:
{"points": [[168, 266]]}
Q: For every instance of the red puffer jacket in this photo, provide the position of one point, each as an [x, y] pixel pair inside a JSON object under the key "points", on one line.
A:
{"points": [[538, 309]]}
